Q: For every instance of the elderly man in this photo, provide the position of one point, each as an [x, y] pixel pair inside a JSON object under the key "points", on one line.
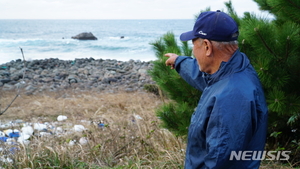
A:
{"points": [[231, 116]]}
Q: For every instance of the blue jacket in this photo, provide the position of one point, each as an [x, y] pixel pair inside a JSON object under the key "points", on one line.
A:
{"points": [[231, 114]]}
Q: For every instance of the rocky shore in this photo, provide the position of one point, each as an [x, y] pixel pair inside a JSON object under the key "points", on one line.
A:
{"points": [[52, 75]]}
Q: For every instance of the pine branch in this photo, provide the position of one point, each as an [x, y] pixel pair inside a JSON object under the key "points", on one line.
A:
{"points": [[293, 4], [264, 42], [287, 47]]}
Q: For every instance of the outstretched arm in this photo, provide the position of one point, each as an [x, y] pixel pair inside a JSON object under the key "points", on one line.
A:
{"points": [[188, 69]]}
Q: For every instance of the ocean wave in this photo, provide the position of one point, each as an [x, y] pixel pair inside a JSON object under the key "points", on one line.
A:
{"points": [[52, 38]]}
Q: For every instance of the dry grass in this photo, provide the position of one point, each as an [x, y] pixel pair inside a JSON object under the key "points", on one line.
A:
{"points": [[126, 142]]}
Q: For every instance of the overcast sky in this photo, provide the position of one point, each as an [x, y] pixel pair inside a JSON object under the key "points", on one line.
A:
{"points": [[115, 9]]}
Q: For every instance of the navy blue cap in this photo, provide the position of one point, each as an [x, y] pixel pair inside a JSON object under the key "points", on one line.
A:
{"points": [[216, 26]]}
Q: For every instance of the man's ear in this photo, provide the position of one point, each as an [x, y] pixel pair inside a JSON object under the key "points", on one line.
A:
{"points": [[207, 47]]}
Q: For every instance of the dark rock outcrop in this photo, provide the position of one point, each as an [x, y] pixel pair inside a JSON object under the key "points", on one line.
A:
{"points": [[79, 74], [85, 36]]}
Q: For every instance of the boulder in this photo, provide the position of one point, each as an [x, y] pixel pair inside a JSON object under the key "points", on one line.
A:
{"points": [[85, 36], [3, 81]]}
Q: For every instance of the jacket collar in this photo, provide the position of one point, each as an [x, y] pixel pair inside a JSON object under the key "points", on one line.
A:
{"points": [[236, 63]]}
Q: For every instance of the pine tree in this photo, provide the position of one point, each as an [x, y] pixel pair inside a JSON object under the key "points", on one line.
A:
{"points": [[273, 47], [176, 114]]}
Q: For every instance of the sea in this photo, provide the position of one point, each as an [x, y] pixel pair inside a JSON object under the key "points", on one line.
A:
{"points": [[44, 39]]}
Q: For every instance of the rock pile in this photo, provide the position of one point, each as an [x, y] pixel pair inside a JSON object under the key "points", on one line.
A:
{"points": [[79, 74]]}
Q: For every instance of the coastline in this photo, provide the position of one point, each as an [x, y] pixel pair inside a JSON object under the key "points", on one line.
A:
{"points": [[86, 74]]}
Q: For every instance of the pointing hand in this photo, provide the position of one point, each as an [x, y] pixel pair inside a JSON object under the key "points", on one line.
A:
{"points": [[171, 61]]}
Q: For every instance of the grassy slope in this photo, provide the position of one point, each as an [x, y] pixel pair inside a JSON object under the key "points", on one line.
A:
{"points": [[127, 141]]}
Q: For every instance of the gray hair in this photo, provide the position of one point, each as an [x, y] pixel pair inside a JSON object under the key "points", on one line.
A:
{"points": [[221, 45]]}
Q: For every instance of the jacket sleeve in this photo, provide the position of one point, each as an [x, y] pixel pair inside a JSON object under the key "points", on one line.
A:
{"points": [[188, 69], [229, 128]]}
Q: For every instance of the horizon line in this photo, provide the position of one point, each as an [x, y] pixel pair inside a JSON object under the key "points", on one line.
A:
{"points": [[92, 19]]}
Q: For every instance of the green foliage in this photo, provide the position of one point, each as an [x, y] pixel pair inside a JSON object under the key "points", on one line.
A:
{"points": [[168, 80], [152, 88], [282, 9], [176, 117]]}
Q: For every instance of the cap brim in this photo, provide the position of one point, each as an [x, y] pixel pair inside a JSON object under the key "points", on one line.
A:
{"points": [[187, 36]]}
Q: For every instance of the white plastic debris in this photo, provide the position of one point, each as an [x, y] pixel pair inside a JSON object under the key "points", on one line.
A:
{"points": [[24, 139], [79, 128], [24, 136], [62, 118], [138, 117], [2, 134], [83, 141], [72, 142], [39, 126], [8, 131], [27, 130], [5, 124], [45, 134], [6, 160], [58, 130], [10, 141], [85, 121]]}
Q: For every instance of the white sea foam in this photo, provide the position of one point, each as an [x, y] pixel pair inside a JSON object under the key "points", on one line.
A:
{"points": [[41, 39]]}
